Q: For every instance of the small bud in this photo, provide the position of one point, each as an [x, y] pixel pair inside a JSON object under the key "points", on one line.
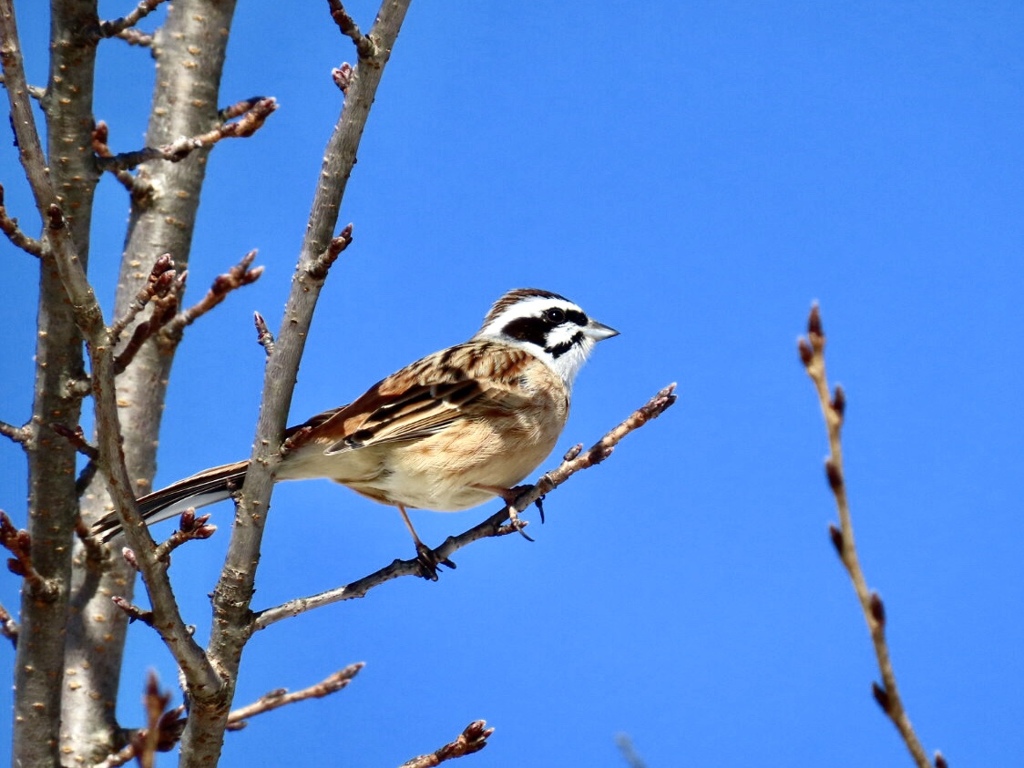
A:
{"points": [[837, 539], [877, 609], [14, 566], [814, 322], [881, 696], [940, 761], [834, 474], [839, 401], [806, 353], [129, 557]]}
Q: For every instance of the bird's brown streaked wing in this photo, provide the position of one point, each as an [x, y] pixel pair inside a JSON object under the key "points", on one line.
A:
{"points": [[427, 396]]}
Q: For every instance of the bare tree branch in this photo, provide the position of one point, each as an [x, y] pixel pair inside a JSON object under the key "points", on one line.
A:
{"points": [[318, 269], [100, 137], [18, 238], [136, 37], [338, 681], [472, 739], [364, 45], [19, 543], [190, 657], [238, 276], [575, 461], [625, 745], [20, 435], [161, 279], [232, 596], [833, 408], [252, 119], [8, 626], [117, 26], [190, 528]]}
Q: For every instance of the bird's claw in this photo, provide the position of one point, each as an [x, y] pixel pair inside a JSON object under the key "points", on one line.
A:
{"points": [[429, 561]]}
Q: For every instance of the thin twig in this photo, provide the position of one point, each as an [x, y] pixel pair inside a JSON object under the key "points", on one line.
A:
{"points": [[20, 435], [625, 745], [9, 226], [576, 461], [117, 26], [8, 626], [318, 269], [134, 612], [338, 681], [136, 37], [100, 136], [94, 549], [161, 280], [190, 528], [192, 660], [19, 543], [77, 438], [833, 408], [164, 308], [238, 276], [263, 334], [147, 740], [364, 44], [169, 726], [251, 120], [472, 739]]}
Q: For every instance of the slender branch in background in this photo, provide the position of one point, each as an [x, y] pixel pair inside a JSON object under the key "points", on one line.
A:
{"points": [[833, 408], [625, 745], [8, 626], [117, 26], [19, 239], [251, 120], [100, 136], [238, 276], [575, 461], [238, 719], [472, 739], [169, 726]]}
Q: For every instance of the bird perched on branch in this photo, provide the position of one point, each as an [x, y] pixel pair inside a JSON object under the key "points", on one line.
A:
{"points": [[448, 432]]}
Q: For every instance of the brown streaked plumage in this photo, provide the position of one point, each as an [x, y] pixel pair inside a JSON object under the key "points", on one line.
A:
{"points": [[445, 433]]}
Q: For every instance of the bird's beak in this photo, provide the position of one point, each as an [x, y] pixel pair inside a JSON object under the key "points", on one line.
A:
{"points": [[599, 331]]}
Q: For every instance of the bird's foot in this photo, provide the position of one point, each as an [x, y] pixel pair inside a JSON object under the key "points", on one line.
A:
{"points": [[429, 561]]}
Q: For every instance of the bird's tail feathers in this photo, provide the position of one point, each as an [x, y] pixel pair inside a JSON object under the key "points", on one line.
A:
{"points": [[207, 487]]}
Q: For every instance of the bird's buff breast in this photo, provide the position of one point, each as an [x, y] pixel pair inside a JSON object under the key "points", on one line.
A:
{"points": [[440, 472]]}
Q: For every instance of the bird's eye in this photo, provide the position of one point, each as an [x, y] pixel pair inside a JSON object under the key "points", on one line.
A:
{"points": [[555, 316]]}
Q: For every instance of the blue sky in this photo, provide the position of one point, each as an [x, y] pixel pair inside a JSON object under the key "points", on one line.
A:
{"points": [[695, 175]]}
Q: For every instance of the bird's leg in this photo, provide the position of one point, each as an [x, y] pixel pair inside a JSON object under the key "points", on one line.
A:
{"points": [[425, 555], [509, 496]]}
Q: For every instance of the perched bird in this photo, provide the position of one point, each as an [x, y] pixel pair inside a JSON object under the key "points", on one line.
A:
{"points": [[448, 432]]}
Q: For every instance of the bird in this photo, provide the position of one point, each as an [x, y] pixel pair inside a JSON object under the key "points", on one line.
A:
{"points": [[448, 432]]}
